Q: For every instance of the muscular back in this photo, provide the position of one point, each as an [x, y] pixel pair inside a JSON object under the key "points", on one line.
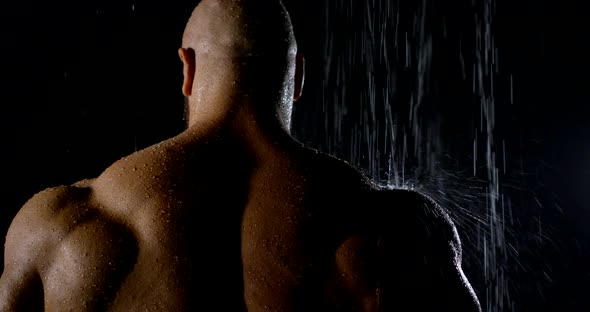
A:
{"points": [[207, 225]]}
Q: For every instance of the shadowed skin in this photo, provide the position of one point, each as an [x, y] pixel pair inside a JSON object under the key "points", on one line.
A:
{"points": [[233, 214]]}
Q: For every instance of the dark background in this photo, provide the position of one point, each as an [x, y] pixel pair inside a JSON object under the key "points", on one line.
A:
{"points": [[85, 83]]}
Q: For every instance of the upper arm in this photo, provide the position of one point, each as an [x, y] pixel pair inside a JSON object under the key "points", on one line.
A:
{"points": [[434, 257], [409, 249], [27, 248]]}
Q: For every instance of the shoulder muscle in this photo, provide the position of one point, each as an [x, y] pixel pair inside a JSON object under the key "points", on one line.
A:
{"points": [[423, 256], [44, 219], [42, 222], [406, 247]]}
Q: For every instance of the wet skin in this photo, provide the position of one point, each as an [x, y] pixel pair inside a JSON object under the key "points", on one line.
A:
{"points": [[233, 214], [203, 222]]}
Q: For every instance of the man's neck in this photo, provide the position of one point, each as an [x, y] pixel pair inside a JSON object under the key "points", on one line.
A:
{"points": [[261, 135]]}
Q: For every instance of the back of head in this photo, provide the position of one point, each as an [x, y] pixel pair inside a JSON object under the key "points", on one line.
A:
{"points": [[250, 40], [240, 28]]}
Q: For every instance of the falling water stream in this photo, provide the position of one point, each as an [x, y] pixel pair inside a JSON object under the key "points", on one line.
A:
{"points": [[382, 114]]}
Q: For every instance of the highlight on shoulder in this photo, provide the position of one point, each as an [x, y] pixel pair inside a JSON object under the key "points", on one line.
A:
{"points": [[49, 213]]}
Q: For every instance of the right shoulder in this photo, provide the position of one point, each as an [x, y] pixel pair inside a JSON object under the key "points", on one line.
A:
{"points": [[337, 174], [405, 245]]}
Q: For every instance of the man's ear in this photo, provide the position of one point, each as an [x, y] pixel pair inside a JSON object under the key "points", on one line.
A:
{"points": [[187, 56], [299, 76]]}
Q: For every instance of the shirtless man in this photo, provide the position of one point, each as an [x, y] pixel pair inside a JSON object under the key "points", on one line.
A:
{"points": [[233, 214]]}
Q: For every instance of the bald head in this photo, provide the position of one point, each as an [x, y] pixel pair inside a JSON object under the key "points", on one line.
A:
{"points": [[241, 51], [240, 28]]}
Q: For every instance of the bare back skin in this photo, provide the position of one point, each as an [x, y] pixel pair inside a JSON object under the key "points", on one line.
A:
{"points": [[233, 214], [203, 224]]}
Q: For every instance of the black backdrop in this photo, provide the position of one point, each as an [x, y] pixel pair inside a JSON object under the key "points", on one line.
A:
{"points": [[85, 83]]}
